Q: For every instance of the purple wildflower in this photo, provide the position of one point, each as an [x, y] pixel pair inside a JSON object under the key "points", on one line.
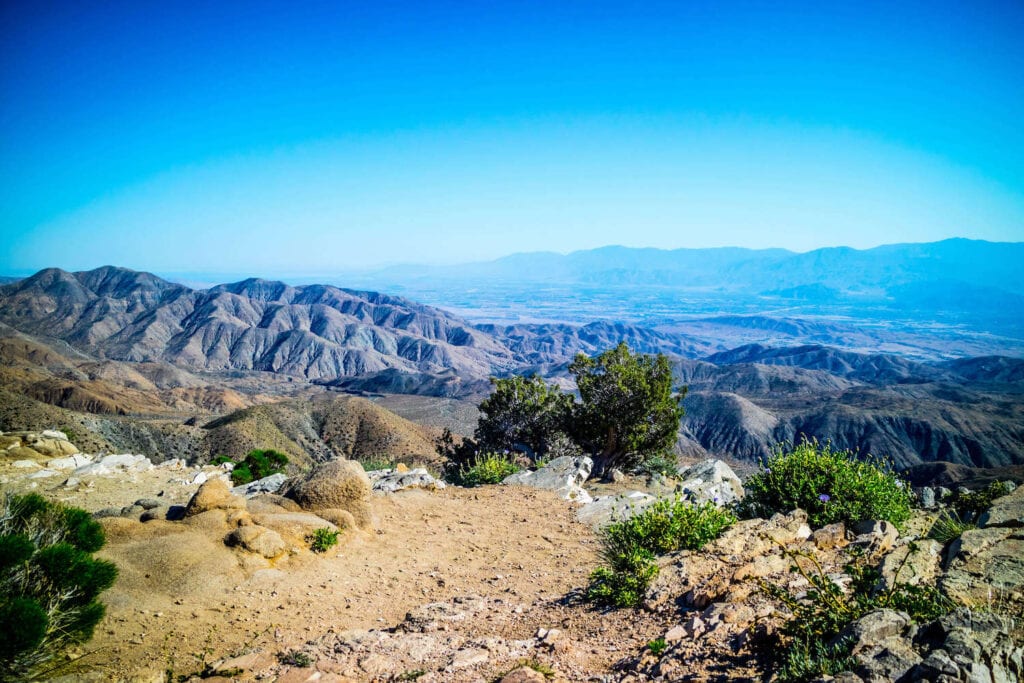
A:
{"points": [[824, 498]]}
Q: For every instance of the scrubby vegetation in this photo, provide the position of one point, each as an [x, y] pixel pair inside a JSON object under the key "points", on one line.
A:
{"points": [[629, 547], [628, 415], [256, 465], [483, 469], [964, 510], [830, 485], [49, 581], [808, 641], [321, 540]]}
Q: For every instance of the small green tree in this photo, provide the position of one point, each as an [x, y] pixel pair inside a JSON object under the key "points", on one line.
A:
{"points": [[522, 414], [49, 581], [629, 411]]}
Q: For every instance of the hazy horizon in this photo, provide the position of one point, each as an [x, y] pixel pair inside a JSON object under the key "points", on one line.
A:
{"points": [[257, 137]]}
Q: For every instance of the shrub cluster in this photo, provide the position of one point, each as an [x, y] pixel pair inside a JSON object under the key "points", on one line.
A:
{"points": [[321, 540], [484, 468], [830, 485], [808, 644], [256, 465], [49, 581], [964, 511], [629, 547]]}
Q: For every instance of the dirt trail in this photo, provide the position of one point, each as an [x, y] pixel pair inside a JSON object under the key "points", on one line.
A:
{"points": [[520, 546]]}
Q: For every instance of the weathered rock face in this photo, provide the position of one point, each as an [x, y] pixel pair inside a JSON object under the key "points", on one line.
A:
{"points": [[271, 484], [338, 484], [564, 476], [986, 565], [213, 495], [710, 481], [604, 510], [257, 539], [389, 481]]}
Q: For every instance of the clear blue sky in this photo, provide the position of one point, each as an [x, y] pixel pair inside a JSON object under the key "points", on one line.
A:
{"points": [[290, 137]]}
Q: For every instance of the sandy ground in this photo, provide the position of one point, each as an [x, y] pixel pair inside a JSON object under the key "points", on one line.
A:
{"points": [[521, 548]]}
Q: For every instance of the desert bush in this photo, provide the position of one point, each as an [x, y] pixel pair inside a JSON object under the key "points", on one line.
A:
{"points": [[377, 463], [629, 547], [830, 485], [322, 539], [483, 469], [807, 645], [49, 581], [970, 505], [257, 465]]}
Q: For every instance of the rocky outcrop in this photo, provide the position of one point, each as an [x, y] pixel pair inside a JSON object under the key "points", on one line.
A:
{"points": [[710, 481], [338, 484], [985, 566], [564, 476], [392, 480]]}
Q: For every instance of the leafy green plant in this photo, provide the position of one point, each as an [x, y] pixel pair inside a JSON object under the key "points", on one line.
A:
{"points": [[257, 465], [485, 468], [657, 646], [49, 581], [808, 647], [830, 485], [629, 547], [411, 675], [374, 464], [948, 526], [322, 539], [295, 658], [969, 506], [664, 464]]}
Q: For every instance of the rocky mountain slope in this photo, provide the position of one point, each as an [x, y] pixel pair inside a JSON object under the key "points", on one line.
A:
{"points": [[118, 342], [312, 332]]}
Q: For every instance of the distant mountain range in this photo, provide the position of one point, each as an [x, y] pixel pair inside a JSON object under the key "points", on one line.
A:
{"points": [[112, 341]]}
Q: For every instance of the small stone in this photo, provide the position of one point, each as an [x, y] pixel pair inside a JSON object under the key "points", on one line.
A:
{"points": [[469, 657]]}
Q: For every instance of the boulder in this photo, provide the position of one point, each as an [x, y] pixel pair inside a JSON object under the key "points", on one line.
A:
{"points": [[564, 476], [55, 448], [604, 510], [986, 565], [54, 434], [1007, 511], [337, 484], [400, 478], [271, 484], [917, 566], [257, 539], [293, 526], [127, 461], [213, 495], [70, 462], [712, 481]]}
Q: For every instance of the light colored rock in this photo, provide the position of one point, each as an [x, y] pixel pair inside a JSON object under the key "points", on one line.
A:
{"points": [[389, 481], [271, 484], [26, 465], [604, 510], [564, 476], [173, 464], [54, 434], [257, 539], [200, 478], [986, 567], [69, 463], [43, 474], [93, 470], [294, 526], [1007, 511], [915, 567], [469, 657], [55, 448], [127, 461], [712, 481], [337, 484], [213, 495]]}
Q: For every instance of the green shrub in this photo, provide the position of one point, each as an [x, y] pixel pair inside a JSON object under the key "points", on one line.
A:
{"points": [[629, 547], [257, 465], [49, 581], [485, 468], [322, 539], [374, 464], [806, 649], [657, 646], [831, 486], [948, 526], [969, 506]]}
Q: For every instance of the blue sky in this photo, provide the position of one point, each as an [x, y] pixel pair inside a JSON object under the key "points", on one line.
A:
{"points": [[276, 138]]}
